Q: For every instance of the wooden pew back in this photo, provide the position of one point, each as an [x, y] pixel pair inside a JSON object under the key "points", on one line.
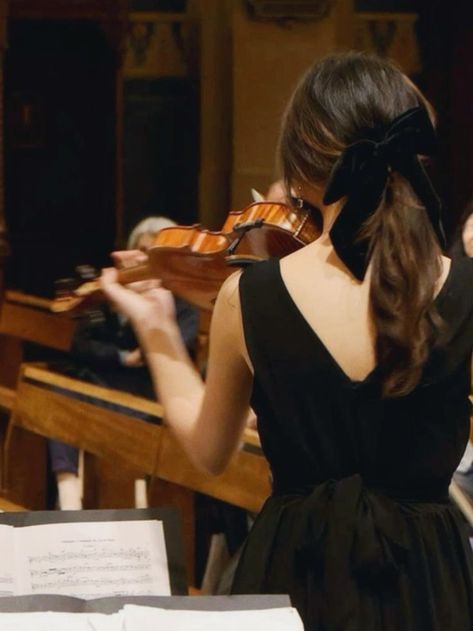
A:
{"points": [[103, 422], [30, 318]]}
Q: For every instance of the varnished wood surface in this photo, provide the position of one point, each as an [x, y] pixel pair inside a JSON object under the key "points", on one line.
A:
{"points": [[10, 507], [53, 405], [42, 375], [27, 300], [29, 318], [7, 397], [59, 413], [245, 482]]}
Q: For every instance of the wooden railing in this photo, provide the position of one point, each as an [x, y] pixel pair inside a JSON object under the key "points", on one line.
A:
{"points": [[104, 422]]}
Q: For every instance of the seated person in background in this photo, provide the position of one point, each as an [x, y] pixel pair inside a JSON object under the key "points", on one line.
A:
{"points": [[462, 246], [105, 351]]}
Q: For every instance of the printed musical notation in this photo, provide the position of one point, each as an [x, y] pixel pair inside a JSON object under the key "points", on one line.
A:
{"points": [[85, 559], [130, 553], [81, 585]]}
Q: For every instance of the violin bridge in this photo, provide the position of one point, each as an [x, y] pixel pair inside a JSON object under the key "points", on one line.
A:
{"points": [[241, 229]]}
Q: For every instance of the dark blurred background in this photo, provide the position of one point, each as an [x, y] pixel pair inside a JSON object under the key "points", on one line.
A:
{"points": [[115, 110]]}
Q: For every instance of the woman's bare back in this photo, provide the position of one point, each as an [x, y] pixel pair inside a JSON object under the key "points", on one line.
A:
{"points": [[336, 305]]}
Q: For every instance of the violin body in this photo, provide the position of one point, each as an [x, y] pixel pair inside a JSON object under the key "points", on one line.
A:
{"points": [[282, 229], [193, 262]]}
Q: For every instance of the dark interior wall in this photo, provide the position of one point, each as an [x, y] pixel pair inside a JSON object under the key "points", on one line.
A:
{"points": [[161, 136], [446, 42], [59, 150], [161, 149], [158, 5], [60, 136]]}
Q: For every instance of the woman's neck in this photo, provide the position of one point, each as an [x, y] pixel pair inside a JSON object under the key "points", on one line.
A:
{"points": [[329, 215]]}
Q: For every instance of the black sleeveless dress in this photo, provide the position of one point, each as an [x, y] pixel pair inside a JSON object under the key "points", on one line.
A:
{"points": [[359, 529]]}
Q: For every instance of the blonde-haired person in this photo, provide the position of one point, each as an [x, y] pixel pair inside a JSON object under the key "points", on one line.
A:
{"points": [[105, 351], [141, 237], [354, 353]]}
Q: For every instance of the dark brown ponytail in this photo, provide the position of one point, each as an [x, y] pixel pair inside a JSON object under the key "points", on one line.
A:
{"points": [[337, 103], [404, 272]]}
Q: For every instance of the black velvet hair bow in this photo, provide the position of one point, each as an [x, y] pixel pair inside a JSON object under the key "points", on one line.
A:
{"points": [[361, 174]]}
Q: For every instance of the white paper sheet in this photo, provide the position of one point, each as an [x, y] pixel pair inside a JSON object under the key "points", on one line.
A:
{"points": [[139, 618], [55, 621], [8, 585], [93, 559]]}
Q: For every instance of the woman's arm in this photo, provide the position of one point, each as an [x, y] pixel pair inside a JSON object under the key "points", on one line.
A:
{"points": [[207, 419]]}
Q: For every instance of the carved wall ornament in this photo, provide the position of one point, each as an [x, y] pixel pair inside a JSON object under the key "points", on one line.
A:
{"points": [[156, 45], [139, 37], [390, 35]]}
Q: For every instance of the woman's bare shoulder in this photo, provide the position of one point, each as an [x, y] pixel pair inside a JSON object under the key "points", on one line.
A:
{"points": [[228, 295]]}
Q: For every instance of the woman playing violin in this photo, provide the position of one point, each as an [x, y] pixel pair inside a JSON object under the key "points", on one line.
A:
{"points": [[354, 353]]}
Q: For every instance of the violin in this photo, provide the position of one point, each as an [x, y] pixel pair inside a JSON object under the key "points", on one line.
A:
{"points": [[193, 262]]}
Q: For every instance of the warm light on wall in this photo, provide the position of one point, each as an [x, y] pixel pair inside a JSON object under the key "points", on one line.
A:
{"points": [[156, 45], [290, 9]]}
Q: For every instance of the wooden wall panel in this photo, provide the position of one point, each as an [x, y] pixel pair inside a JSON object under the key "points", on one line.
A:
{"points": [[268, 59], [214, 17], [248, 69]]}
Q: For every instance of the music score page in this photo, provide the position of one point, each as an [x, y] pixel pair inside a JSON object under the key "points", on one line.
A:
{"points": [[85, 559]]}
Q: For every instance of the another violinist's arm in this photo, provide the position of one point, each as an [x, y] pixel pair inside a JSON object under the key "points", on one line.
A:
{"points": [[207, 420]]}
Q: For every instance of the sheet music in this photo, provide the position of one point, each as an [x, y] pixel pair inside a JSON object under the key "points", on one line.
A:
{"points": [[55, 621], [138, 618], [93, 559], [7, 566]]}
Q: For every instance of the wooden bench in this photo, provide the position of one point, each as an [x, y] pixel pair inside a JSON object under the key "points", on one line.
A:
{"points": [[56, 406], [10, 507], [30, 318], [7, 397], [27, 318]]}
